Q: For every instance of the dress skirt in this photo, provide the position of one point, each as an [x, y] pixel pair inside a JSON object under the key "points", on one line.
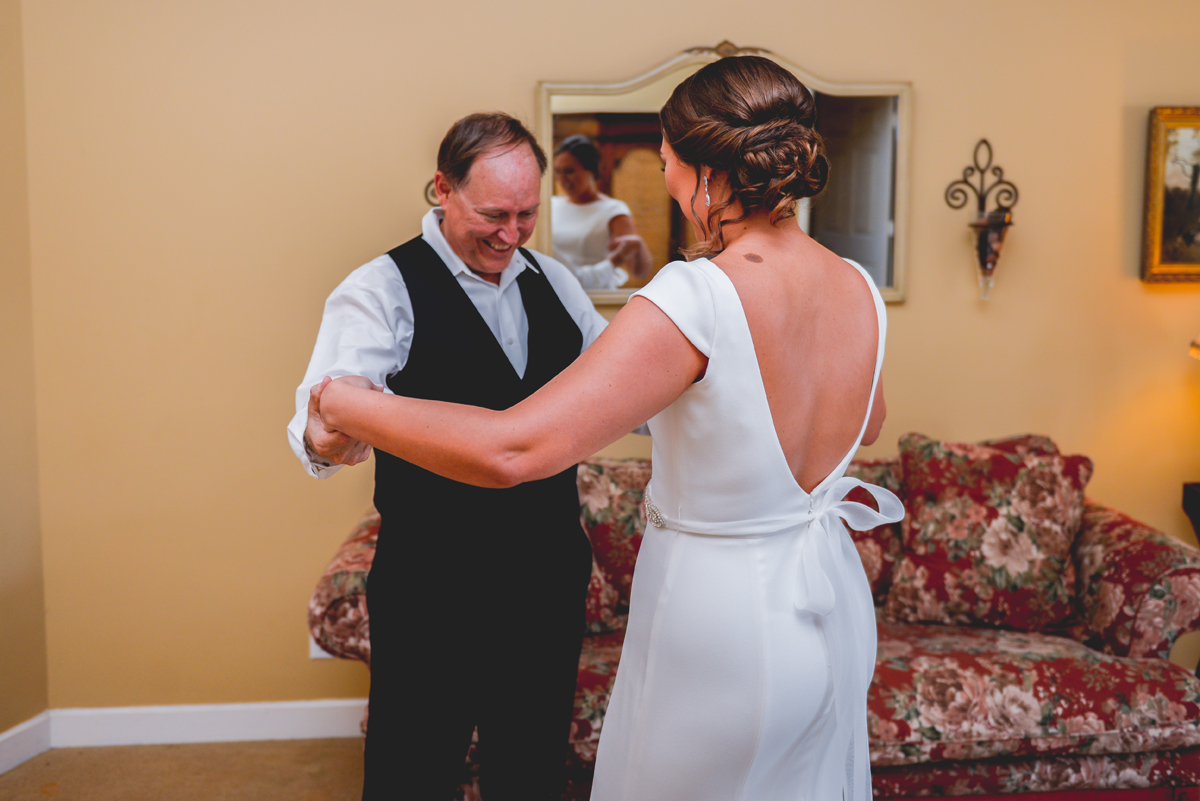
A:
{"points": [[724, 686]]}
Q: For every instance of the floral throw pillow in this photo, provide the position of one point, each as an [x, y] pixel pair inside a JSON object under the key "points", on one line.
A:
{"points": [[988, 534]]}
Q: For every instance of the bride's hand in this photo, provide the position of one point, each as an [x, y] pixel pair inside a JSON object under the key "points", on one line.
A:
{"points": [[630, 251], [622, 248]]}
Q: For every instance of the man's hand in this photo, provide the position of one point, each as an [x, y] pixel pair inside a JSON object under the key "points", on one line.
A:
{"points": [[327, 444]]}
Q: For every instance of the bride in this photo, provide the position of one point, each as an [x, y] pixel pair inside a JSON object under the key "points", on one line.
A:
{"points": [[751, 634]]}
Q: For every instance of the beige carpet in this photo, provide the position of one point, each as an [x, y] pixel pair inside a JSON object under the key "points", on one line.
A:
{"points": [[295, 770]]}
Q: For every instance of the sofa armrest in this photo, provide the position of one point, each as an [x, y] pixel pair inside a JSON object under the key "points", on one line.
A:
{"points": [[1139, 589], [337, 611]]}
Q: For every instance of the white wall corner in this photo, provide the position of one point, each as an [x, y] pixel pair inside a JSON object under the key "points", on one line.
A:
{"points": [[24, 742]]}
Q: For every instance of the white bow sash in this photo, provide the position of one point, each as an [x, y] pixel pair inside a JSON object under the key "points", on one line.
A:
{"points": [[814, 591], [823, 548]]}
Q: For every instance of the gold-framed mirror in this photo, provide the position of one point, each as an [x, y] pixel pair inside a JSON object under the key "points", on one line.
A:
{"points": [[861, 215]]}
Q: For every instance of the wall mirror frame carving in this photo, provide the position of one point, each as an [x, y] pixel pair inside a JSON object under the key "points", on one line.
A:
{"points": [[646, 93]]}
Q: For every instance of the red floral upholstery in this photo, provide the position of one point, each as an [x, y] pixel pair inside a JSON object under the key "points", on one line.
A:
{"points": [[953, 710], [1059, 773], [601, 604], [610, 507], [988, 535], [597, 668], [880, 547], [337, 611], [958, 693], [1139, 589]]}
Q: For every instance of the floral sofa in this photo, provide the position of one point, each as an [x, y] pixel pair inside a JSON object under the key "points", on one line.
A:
{"points": [[1023, 628]]}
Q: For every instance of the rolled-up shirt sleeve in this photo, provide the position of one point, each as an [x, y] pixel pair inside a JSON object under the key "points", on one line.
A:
{"points": [[366, 330]]}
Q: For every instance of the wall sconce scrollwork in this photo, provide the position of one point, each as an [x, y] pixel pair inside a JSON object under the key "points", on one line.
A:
{"points": [[989, 227]]}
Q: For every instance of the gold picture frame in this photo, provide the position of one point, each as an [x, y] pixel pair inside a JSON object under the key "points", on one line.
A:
{"points": [[1171, 238]]}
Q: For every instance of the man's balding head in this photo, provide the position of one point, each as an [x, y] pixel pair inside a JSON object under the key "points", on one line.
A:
{"points": [[476, 134], [488, 184]]}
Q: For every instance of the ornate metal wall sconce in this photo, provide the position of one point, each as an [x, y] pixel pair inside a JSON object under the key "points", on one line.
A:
{"points": [[989, 227]]}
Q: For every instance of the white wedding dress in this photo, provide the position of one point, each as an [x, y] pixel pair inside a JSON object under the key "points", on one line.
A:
{"points": [[751, 635]]}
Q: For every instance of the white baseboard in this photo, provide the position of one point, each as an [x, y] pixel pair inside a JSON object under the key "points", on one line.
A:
{"points": [[192, 723], [24, 742], [205, 723]]}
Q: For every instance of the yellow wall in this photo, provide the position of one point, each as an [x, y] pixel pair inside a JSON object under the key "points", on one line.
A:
{"points": [[23, 654], [202, 174]]}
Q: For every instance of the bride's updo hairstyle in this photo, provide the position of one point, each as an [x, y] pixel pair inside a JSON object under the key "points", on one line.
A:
{"points": [[751, 119]]}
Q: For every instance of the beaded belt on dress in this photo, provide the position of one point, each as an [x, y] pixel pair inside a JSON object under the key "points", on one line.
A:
{"points": [[653, 516]]}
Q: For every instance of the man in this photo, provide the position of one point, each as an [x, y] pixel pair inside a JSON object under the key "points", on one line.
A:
{"points": [[476, 596]]}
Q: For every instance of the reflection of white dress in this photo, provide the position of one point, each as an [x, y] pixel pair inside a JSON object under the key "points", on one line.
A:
{"points": [[581, 235], [751, 635]]}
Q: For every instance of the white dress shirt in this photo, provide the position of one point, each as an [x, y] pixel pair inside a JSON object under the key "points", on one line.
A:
{"points": [[367, 327]]}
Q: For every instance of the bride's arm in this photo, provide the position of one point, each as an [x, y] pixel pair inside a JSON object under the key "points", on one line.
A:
{"points": [[635, 369]]}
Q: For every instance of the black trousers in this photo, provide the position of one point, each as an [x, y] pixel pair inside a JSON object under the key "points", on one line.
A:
{"points": [[478, 627]]}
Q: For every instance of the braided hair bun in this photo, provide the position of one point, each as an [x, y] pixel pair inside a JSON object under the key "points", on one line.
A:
{"points": [[751, 119]]}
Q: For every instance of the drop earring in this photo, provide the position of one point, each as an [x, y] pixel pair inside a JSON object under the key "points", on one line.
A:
{"points": [[707, 199]]}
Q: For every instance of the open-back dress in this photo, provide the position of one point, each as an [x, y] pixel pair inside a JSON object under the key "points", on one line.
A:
{"points": [[751, 636]]}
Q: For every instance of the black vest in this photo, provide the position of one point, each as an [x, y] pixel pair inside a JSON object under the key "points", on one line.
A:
{"points": [[455, 357]]}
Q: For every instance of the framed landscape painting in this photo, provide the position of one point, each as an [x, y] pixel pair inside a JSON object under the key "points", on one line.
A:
{"points": [[1171, 242]]}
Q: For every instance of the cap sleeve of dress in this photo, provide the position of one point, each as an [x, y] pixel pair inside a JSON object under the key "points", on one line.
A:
{"points": [[616, 208], [683, 291]]}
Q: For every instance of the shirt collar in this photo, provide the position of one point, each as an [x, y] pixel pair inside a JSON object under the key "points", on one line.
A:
{"points": [[431, 230]]}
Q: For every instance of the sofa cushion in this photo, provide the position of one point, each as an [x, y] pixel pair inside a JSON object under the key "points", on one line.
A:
{"points": [[610, 507], [988, 534], [959, 693], [880, 547]]}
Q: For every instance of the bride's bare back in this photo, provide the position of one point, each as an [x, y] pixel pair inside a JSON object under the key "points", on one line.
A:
{"points": [[815, 332]]}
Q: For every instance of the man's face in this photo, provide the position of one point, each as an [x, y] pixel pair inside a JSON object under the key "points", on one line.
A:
{"points": [[492, 212]]}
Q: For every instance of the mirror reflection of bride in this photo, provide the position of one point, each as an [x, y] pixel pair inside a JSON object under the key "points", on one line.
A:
{"points": [[594, 234], [863, 214]]}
